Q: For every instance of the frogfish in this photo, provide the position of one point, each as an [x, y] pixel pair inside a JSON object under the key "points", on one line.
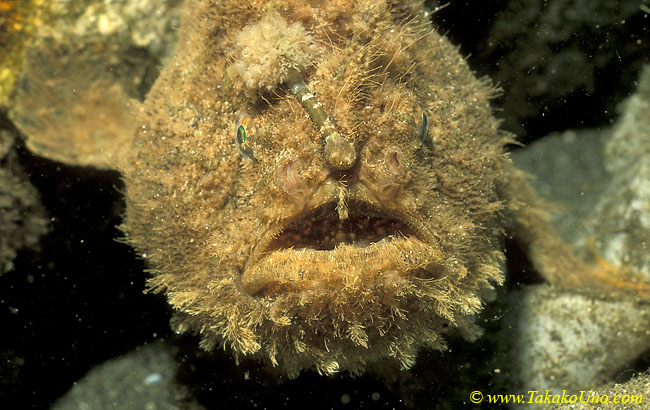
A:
{"points": [[319, 184]]}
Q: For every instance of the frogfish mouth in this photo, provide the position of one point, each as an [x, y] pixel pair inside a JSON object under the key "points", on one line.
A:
{"points": [[319, 249]]}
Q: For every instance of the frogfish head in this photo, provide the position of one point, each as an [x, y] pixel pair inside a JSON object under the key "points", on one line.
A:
{"points": [[317, 186]]}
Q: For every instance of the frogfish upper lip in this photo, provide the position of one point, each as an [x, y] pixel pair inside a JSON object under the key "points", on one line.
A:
{"points": [[317, 249]]}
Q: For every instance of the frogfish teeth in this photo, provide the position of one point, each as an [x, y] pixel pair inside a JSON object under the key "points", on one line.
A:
{"points": [[322, 185]]}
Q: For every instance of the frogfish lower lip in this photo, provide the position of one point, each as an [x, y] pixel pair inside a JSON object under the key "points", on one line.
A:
{"points": [[320, 251], [292, 270]]}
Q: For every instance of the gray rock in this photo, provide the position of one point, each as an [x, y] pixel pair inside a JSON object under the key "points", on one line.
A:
{"points": [[569, 341], [575, 340], [549, 52], [140, 380], [632, 395], [600, 179], [22, 217], [623, 215]]}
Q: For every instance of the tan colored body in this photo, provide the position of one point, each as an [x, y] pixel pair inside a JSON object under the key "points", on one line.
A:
{"points": [[203, 214]]}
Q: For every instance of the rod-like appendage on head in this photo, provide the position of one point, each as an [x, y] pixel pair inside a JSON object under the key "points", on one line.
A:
{"points": [[339, 153]]}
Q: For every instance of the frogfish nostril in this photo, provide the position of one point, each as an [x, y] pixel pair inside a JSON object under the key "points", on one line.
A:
{"points": [[289, 180]]}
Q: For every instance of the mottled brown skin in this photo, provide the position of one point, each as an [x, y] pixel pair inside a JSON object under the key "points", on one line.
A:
{"points": [[204, 215], [280, 255]]}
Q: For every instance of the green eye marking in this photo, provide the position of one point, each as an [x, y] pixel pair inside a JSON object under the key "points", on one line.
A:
{"points": [[242, 136]]}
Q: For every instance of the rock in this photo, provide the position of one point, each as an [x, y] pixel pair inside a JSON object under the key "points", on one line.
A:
{"points": [[18, 22], [22, 217], [623, 396], [550, 54], [623, 215], [571, 340], [82, 67], [142, 379]]}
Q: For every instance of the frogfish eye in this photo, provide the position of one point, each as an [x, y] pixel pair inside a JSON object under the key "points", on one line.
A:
{"points": [[244, 135], [422, 123]]}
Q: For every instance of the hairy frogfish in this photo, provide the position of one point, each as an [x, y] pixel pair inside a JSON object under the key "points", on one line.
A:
{"points": [[321, 184]]}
